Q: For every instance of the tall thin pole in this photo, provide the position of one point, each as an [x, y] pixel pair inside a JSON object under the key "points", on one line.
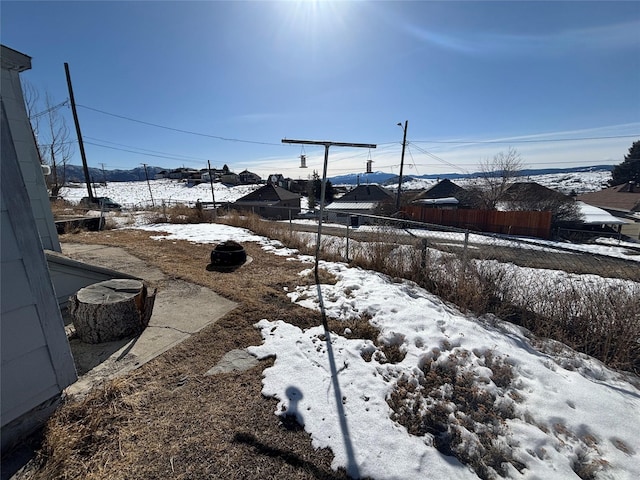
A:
{"points": [[404, 144], [104, 174], [85, 167], [323, 189], [352, 467], [323, 185], [146, 174], [213, 195]]}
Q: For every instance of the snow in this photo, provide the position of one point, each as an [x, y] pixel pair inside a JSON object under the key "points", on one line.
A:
{"points": [[565, 408], [567, 183], [597, 216], [603, 246], [130, 194], [138, 194]]}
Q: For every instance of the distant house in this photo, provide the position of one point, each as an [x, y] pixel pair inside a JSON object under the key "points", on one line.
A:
{"points": [[514, 217], [621, 200], [363, 200], [270, 201], [278, 180], [531, 193], [184, 173], [230, 178], [215, 174], [249, 178], [299, 186], [446, 194]]}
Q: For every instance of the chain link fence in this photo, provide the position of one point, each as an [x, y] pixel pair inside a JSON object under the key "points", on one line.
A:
{"points": [[585, 296]]}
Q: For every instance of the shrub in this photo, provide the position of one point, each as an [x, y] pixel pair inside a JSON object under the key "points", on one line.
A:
{"points": [[464, 417], [598, 319]]}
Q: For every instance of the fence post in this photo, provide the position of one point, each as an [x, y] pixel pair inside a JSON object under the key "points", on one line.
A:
{"points": [[347, 252], [423, 260], [464, 250]]}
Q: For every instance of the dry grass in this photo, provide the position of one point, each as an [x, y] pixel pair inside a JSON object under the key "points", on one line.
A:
{"points": [[448, 403], [599, 320], [170, 420], [179, 213]]}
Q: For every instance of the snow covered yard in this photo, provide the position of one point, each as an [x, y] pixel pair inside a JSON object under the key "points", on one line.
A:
{"points": [[434, 392]]}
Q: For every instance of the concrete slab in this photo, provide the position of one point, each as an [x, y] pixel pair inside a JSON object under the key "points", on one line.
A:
{"points": [[237, 360], [181, 309]]}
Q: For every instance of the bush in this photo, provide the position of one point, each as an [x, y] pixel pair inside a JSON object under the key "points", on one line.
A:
{"points": [[464, 416], [599, 319]]}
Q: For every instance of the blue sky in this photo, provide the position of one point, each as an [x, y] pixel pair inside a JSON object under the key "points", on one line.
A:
{"points": [[550, 79]]}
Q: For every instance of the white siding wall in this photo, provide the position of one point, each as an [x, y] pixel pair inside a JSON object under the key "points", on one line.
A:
{"points": [[26, 150], [36, 359]]}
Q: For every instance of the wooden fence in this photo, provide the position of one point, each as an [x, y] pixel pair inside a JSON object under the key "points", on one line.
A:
{"points": [[531, 224]]}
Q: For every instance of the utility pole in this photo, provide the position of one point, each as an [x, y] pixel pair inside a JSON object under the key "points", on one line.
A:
{"points": [[352, 468], [404, 144], [324, 184], [104, 174], [85, 167], [213, 195], [146, 174]]}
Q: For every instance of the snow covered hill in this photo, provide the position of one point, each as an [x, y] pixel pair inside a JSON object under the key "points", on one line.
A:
{"points": [[132, 194]]}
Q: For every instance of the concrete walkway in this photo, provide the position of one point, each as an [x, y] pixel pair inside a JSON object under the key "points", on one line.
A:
{"points": [[181, 309]]}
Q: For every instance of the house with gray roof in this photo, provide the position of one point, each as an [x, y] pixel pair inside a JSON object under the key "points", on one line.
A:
{"points": [[446, 194], [270, 201], [362, 200]]}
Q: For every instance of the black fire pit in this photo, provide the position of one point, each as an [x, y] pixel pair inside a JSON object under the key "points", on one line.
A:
{"points": [[228, 255]]}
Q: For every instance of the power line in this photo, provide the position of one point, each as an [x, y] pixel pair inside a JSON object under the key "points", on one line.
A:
{"points": [[227, 139], [435, 157], [468, 142], [137, 153], [146, 150], [50, 109]]}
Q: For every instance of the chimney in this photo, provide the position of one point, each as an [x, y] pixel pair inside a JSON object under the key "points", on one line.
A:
{"points": [[632, 186]]}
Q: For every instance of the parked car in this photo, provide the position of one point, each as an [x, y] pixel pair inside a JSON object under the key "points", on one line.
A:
{"points": [[103, 203]]}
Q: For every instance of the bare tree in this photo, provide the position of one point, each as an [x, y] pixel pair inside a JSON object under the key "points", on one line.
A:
{"points": [[497, 174], [51, 135], [564, 209]]}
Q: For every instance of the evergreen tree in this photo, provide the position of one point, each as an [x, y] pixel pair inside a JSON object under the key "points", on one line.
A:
{"points": [[311, 193], [629, 169], [317, 188]]}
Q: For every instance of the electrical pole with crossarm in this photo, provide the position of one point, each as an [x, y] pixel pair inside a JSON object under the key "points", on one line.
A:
{"points": [[324, 179], [404, 144], [352, 464]]}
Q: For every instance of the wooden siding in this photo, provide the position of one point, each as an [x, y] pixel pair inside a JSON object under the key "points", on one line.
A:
{"points": [[531, 224]]}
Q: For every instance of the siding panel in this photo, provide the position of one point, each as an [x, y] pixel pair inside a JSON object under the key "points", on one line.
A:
{"points": [[29, 376], [21, 333], [27, 381], [16, 290], [9, 250]]}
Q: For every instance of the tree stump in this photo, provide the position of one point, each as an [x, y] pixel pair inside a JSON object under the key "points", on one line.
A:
{"points": [[111, 310]]}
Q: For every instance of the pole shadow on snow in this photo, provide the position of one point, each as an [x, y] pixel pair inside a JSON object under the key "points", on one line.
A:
{"points": [[352, 466]]}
